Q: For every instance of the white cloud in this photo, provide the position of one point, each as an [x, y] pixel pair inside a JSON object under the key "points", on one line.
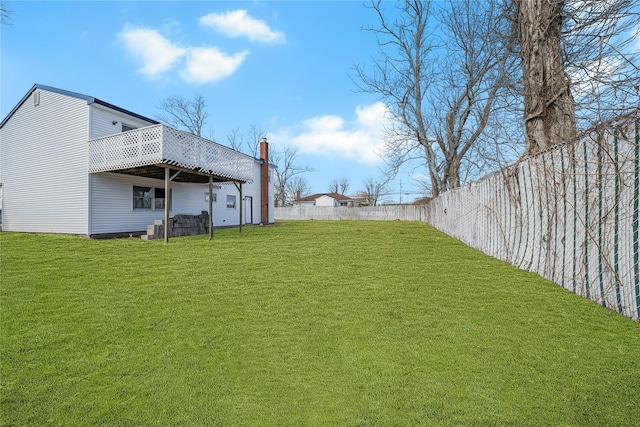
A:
{"points": [[171, 27], [373, 116], [158, 55], [238, 24], [587, 80], [330, 135], [208, 64], [148, 46]]}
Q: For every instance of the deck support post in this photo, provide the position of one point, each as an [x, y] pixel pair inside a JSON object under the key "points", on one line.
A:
{"points": [[167, 203], [210, 207], [241, 207], [239, 187]]}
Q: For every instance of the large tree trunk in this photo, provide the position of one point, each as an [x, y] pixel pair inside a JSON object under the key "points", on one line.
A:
{"points": [[549, 111], [453, 172]]}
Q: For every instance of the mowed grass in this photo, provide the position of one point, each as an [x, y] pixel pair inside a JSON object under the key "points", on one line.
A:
{"points": [[304, 323]]}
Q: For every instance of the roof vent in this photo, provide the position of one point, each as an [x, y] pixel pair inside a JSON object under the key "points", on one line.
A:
{"points": [[36, 98]]}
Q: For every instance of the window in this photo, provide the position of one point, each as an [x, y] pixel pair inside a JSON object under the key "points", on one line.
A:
{"points": [[158, 198], [142, 197], [126, 127], [231, 202], [149, 198], [206, 197]]}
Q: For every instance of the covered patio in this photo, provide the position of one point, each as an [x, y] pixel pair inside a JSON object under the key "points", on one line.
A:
{"points": [[162, 152]]}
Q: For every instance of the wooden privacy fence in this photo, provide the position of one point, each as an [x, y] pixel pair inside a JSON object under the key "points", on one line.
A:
{"points": [[569, 214]]}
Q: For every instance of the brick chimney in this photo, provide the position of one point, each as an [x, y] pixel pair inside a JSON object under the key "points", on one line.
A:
{"points": [[298, 195], [264, 181]]}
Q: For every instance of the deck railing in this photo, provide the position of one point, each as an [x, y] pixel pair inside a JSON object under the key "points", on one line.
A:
{"points": [[159, 144]]}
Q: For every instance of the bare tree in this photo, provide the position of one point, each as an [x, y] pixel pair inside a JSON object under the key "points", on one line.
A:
{"points": [[549, 114], [401, 77], [373, 192], [181, 113], [476, 66], [344, 185], [5, 14], [256, 134], [298, 185], [441, 88], [334, 187], [287, 170], [249, 143], [339, 185], [602, 58], [236, 139], [578, 66], [455, 94]]}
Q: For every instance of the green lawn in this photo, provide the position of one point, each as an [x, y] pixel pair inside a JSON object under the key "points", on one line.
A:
{"points": [[304, 323]]}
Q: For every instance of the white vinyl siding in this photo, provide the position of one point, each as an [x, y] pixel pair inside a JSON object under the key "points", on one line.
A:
{"points": [[44, 166], [112, 208], [252, 190], [112, 203], [103, 118]]}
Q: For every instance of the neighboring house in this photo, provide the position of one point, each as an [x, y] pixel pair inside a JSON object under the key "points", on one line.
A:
{"points": [[73, 164], [323, 199]]}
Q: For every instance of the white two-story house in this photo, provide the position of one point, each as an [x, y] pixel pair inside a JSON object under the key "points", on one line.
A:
{"points": [[73, 164]]}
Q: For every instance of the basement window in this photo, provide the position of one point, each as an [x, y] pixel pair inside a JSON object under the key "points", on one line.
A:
{"points": [[126, 127]]}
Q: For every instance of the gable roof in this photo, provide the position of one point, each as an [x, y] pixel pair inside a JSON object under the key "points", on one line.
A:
{"points": [[316, 196], [89, 99]]}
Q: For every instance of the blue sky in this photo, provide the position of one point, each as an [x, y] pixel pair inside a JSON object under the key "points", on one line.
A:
{"points": [[283, 66]]}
